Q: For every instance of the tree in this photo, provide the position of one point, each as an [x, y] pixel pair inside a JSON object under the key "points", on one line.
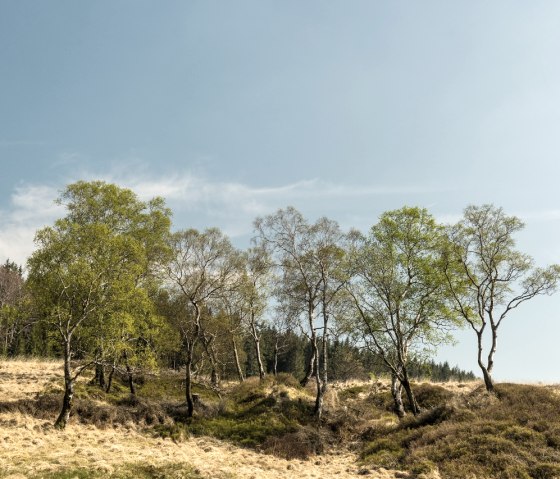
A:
{"points": [[309, 258], [204, 265], [12, 317], [91, 269], [488, 277], [254, 292], [399, 292]]}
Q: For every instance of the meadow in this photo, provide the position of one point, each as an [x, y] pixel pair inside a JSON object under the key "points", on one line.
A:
{"points": [[265, 429]]}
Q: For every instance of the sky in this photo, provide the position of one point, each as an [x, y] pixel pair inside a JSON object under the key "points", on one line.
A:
{"points": [[231, 110]]}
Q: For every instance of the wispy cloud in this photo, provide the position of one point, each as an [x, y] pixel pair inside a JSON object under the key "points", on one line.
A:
{"points": [[195, 199], [31, 208]]}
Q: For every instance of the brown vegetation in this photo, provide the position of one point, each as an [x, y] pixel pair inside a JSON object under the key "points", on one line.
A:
{"points": [[263, 428], [120, 445]]}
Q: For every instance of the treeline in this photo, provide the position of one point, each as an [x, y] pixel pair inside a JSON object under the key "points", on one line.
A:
{"points": [[111, 288], [282, 351]]}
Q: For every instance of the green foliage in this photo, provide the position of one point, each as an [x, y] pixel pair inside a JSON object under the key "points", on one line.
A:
{"points": [[91, 274], [399, 289], [255, 411]]}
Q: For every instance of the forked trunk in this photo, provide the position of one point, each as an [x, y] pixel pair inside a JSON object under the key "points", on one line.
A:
{"points": [[414, 407], [310, 370], [488, 382]]}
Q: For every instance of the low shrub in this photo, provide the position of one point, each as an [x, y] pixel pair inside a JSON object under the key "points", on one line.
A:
{"points": [[300, 444], [127, 471], [513, 434]]}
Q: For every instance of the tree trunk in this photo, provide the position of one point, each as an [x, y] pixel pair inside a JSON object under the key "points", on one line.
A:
{"points": [[110, 379], [208, 344], [214, 376], [99, 377], [396, 392], [237, 364], [130, 376], [64, 415], [276, 352], [188, 386], [319, 398], [414, 407], [488, 382], [257, 340], [322, 384], [311, 364]]}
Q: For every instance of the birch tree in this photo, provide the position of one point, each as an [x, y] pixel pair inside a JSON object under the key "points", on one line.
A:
{"points": [[204, 266], [399, 292], [488, 277], [87, 272], [308, 258]]}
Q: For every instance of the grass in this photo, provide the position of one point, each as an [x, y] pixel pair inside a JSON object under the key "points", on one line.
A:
{"points": [[256, 414], [461, 433], [109, 435], [514, 434], [126, 471]]}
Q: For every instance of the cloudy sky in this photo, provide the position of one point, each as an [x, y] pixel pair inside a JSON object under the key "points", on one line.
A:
{"points": [[342, 109]]}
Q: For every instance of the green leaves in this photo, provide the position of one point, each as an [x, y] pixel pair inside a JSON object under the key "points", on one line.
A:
{"points": [[90, 268], [399, 285]]}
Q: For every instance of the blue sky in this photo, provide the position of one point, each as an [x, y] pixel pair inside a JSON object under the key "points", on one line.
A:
{"points": [[342, 109]]}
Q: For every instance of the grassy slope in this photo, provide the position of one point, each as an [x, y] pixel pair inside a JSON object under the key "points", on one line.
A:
{"points": [[515, 434], [463, 432]]}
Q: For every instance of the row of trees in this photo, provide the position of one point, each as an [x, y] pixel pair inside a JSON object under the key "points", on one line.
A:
{"points": [[119, 291]]}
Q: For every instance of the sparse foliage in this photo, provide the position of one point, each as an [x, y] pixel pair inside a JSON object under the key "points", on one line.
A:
{"points": [[203, 267], [488, 277]]}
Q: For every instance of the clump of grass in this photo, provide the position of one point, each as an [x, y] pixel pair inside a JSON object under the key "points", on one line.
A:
{"points": [[244, 430], [300, 444], [127, 471], [353, 392], [431, 395]]}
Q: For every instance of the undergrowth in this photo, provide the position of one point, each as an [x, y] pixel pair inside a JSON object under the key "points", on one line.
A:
{"points": [[126, 471], [512, 435]]}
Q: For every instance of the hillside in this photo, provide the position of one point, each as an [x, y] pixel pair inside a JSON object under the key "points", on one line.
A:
{"points": [[264, 429], [32, 448]]}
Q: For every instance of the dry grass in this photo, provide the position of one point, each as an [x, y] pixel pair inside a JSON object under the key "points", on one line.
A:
{"points": [[31, 448]]}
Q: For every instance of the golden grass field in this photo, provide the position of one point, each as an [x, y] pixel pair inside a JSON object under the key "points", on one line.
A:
{"points": [[32, 448]]}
